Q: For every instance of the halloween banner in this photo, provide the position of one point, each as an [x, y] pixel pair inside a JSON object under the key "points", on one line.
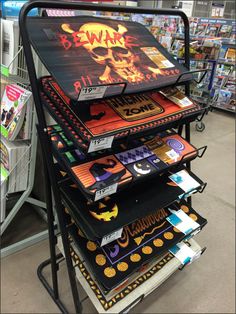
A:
{"points": [[86, 51], [117, 116], [150, 155], [141, 241]]}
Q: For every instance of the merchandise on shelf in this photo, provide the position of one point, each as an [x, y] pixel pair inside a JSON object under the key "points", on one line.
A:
{"points": [[10, 45], [139, 243], [14, 101], [119, 117], [101, 218], [15, 160], [225, 99], [132, 291], [139, 160], [116, 54]]}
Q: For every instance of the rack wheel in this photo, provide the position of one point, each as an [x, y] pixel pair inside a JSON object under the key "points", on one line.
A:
{"points": [[200, 126]]}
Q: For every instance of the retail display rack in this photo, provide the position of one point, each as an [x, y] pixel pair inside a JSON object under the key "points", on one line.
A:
{"points": [[115, 160], [20, 177], [212, 46], [223, 89]]}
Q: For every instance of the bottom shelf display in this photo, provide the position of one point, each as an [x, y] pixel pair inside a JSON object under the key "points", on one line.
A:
{"points": [[130, 293], [140, 242]]}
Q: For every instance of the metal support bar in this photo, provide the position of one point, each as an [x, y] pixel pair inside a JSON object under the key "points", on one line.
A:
{"points": [[36, 202], [47, 285], [24, 243]]}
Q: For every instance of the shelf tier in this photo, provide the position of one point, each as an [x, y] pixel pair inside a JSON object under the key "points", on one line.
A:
{"points": [[102, 218], [123, 56], [139, 243], [141, 286], [142, 159], [100, 119], [223, 108]]}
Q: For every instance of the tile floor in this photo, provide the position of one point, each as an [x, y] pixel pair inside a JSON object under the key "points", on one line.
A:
{"points": [[207, 286]]}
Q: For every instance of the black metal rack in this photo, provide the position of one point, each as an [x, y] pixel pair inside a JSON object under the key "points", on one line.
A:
{"points": [[51, 184]]}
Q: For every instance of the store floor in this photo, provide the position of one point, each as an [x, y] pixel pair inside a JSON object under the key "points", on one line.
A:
{"points": [[207, 286]]}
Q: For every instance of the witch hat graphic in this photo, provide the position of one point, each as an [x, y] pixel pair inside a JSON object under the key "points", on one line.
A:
{"points": [[102, 176]]}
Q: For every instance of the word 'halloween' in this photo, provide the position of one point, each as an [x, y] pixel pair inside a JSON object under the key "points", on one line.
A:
{"points": [[81, 38], [141, 226]]}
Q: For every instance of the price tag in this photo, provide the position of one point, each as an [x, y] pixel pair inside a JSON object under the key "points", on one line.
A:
{"points": [[180, 220], [167, 64], [184, 181], [88, 93], [111, 189], [183, 253], [173, 155], [111, 237], [185, 102], [100, 143]]}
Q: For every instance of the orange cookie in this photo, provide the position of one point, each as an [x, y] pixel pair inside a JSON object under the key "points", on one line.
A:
{"points": [[91, 246], [100, 259], [193, 216], [122, 266], [109, 272], [185, 208], [135, 258], [168, 235], [147, 250], [158, 242], [176, 230]]}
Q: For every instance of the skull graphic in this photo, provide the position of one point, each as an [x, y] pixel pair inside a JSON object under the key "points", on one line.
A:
{"points": [[107, 47]]}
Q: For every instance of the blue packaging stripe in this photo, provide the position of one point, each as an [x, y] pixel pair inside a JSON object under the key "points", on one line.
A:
{"points": [[174, 249], [187, 260], [173, 219]]}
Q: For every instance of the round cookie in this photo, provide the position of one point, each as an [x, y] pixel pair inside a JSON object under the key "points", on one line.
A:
{"points": [[168, 235], [122, 266], [176, 230], [109, 272], [185, 208], [193, 216], [135, 258], [91, 246], [100, 259], [158, 242], [147, 250]]}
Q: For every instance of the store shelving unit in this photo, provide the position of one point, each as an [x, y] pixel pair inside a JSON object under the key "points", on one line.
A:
{"points": [[202, 29], [21, 79], [58, 182], [223, 89]]}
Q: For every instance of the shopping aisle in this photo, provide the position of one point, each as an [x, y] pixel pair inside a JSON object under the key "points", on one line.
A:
{"points": [[207, 286]]}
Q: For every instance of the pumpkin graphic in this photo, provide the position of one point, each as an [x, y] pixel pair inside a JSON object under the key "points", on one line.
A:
{"points": [[106, 210]]}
